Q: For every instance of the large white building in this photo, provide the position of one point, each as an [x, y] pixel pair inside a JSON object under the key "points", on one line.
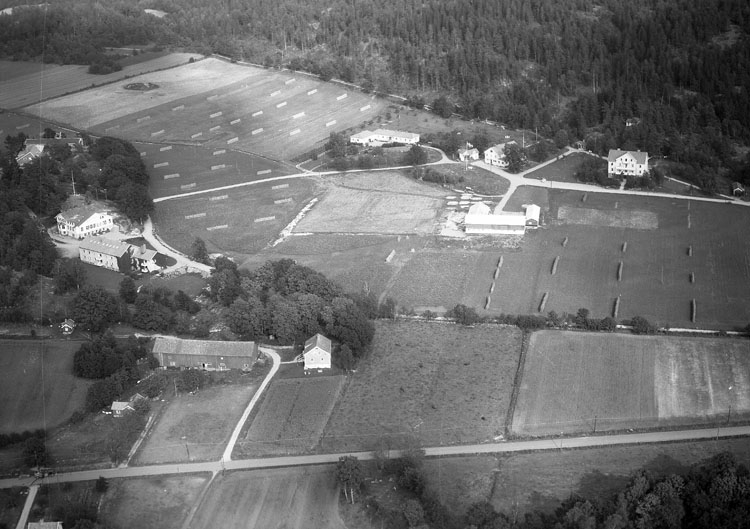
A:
{"points": [[626, 163], [82, 221], [317, 353], [383, 136], [479, 220], [495, 155], [114, 255]]}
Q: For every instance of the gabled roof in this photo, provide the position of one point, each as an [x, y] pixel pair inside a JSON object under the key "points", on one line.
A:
{"points": [[171, 345], [121, 406], [319, 341], [500, 147], [141, 252], [364, 135], [79, 215], [640, 156], [105, 246]]}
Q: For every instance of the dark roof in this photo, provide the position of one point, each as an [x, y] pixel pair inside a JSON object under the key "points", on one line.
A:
{"points": [[172, 345], [105, 246]]}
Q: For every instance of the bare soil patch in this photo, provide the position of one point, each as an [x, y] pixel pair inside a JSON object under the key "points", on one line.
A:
{"points": [[288, 498], [161, 502], [440, 383]]}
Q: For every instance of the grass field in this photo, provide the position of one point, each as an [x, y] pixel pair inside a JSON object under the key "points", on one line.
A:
{"points": [[28, 83], [177, 169], [378, 202], [563, 170], [288, 498], [11, 124], [585, 382], [37, 386], [162, 502], [441, 383], [242, 220], [526, 482], [197, 427], [292, 416]]}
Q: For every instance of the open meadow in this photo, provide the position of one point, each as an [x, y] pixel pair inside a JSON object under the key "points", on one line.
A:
{"points": [[162, 502], [218, 104], [12, 124], [292, 416], [242, 220], [28, 83], [285, 498], [584, 382], [197, 427], [439, 383], [562, 170], [178, 169], [37, 386]]}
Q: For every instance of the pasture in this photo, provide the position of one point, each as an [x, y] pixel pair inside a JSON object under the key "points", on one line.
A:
{"points": [[197, 427], [162, 502], [29, 83], [291, 417], [242, 220], [288, 498], [177, 169], [586, 382], [37, 386], [439, 383], [219, 104], [563, 170], [541, 481], [375, 202], [11, 124]]}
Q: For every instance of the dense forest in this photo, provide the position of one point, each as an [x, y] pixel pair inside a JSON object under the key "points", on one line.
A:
{"points": [[681, 67]]}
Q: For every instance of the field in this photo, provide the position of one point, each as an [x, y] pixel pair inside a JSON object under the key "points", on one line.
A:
{"points": [[443, 384], [563, 170], [28, 83], [585, 382], [12, 124], [37, 386], [177, 169], [289, 498], [541, 481], [197, 427], [218, 104], [242, 220], [292, 416], [162, 502]]}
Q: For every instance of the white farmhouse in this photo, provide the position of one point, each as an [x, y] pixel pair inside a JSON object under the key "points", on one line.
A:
{"points": [[317, 353], [82, 221], [470, 155], [107, 253], [383, 136], [626, 163], [495, 155]]}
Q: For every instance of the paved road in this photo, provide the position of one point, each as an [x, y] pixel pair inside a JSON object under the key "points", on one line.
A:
{"points": [[27, 507], [318, 459]]}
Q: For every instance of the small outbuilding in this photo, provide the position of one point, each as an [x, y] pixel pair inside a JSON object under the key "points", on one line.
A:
{"points": [[317, 353], [468, 155], [44, 525], [738, 189], [67, 326]]}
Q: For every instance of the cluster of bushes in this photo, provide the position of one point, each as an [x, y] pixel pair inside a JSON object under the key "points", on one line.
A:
{"points": [[529, 322], [14, 287], [8, 439], [429, 174], [103, 64], [593, 170], [649, 180]]}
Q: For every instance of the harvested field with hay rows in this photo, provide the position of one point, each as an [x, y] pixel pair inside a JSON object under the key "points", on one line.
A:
{"points": [[584, 382]]}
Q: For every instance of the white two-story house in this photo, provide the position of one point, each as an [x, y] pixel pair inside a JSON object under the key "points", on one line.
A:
{"points": [[626, 163], [83, 221]]}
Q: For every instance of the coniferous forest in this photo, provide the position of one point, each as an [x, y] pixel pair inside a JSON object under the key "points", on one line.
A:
{"points": [[681, 68]]}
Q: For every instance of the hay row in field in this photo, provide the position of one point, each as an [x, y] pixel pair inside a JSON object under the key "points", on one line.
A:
{"points": [[543, 302], [616, 308], [619, 271], [554, 265], [693, 310]]}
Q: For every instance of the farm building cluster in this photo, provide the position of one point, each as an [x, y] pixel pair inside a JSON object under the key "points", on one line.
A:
{"points": [[481, 220], [34, 147], [117, 255]]}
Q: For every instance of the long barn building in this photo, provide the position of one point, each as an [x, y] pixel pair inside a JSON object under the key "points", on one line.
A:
{"points": [[205, 354]]}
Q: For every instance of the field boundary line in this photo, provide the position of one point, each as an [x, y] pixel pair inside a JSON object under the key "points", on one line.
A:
{"points": [[198, 501], [525, 339]]}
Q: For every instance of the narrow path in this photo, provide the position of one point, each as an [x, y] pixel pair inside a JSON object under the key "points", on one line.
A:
{"points": [[560, 443], [237, 429]]}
